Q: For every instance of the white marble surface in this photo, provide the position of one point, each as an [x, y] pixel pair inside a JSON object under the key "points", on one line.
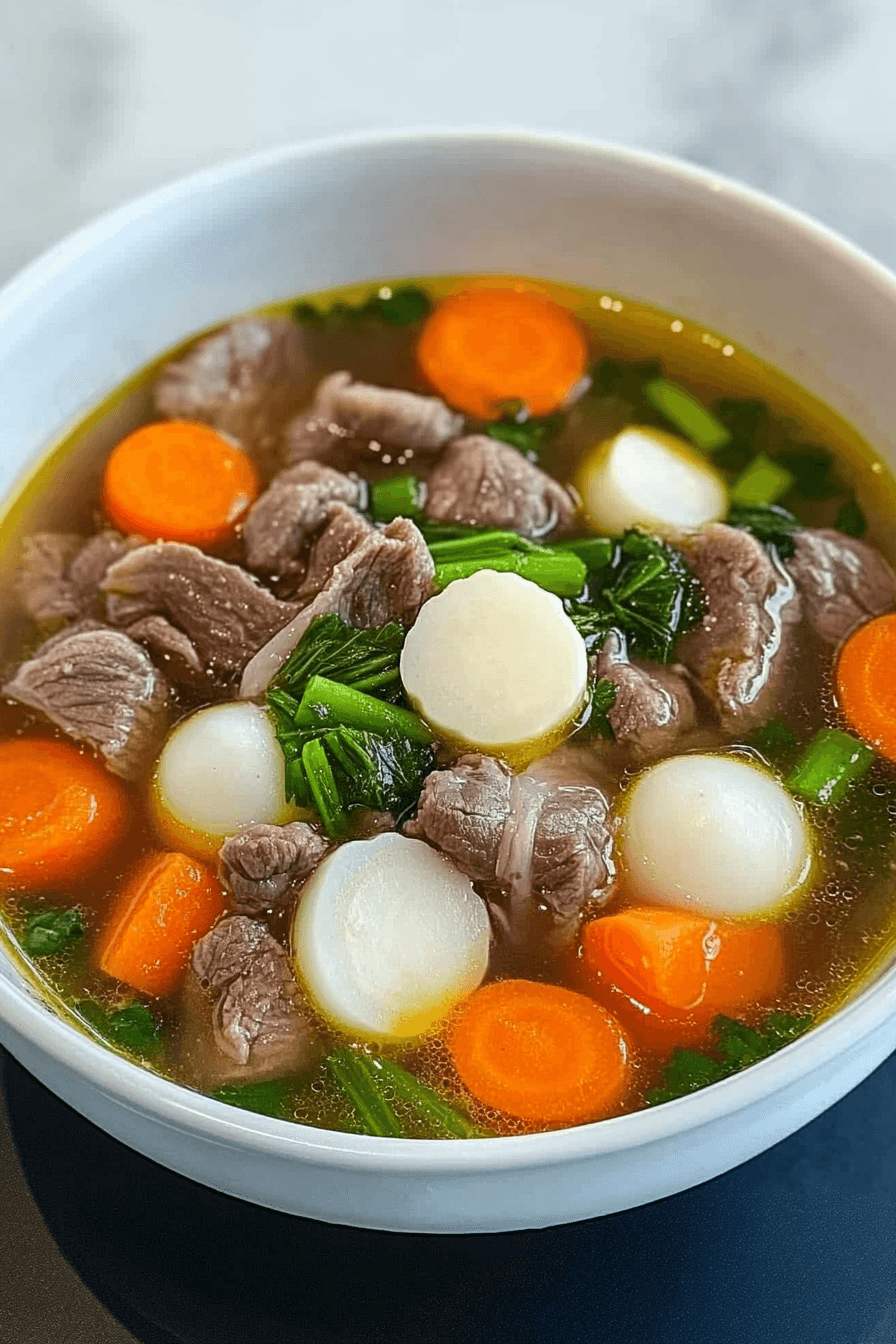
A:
{"points": [[101, 99]]}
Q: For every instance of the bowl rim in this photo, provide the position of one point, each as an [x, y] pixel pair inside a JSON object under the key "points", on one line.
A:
{"points": [[136, 1088]]}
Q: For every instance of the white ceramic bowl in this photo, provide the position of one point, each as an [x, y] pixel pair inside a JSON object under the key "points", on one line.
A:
{"points": [[95, 308]]}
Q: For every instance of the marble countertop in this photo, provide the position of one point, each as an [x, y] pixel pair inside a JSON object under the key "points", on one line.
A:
{"points": [[102, 99]]}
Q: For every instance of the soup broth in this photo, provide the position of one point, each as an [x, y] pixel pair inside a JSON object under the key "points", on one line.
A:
{"points": [[589, 935]]}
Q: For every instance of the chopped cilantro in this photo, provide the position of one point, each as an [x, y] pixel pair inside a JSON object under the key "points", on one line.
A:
{"points": [[50, 931], [737, 1046]]}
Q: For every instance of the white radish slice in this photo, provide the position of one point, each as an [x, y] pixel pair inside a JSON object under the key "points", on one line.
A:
{"points": [[714, 834], [646, 478], [388, 936], [494, 662], [220, 770]]}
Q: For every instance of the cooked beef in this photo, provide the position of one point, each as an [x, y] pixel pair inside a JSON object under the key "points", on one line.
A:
{"points": [[483, 481], [243, 1016], [100, 687], [536, 843], [263, 864], [386, 578], [60, 573], [246, 379], [345, 529], [740, 650], [347, 417], [172, 649], [222, 610], [843, 582], [293, 507], [653, 703]]}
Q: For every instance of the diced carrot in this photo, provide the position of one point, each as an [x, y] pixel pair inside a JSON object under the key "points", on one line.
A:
{"points": [[61, 813], [668, 973], [540, 1052], [178, 481], [866, 686], [165, 906], [485, 347]]}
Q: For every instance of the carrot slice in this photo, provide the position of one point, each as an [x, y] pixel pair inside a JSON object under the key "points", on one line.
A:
{"points": [[866, 687], [166, 904], [680, 967], [61, 813], [178, 481], [486, 347], [540, 1052]]}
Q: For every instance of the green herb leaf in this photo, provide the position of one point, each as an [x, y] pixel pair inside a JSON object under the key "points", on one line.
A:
{"points": [[625, 379], [603, 698], [373, 1112], [749, 423], [397, 306], [397, 497], [134, 1028], [737, 1046], [365, 659], [51, 931], [443, 1119], [776, 742], [272, 1097], [768, 523], [851, 519], [528, 435], [812, 469]]}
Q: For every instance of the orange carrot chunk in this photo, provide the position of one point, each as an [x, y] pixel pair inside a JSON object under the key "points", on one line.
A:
{"points": [[540, 1052], [485, 347], [675, 962], [178, 481], [165, 906], [61, 813], [866, 686]]}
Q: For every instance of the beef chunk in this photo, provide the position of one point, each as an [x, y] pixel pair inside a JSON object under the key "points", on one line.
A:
{"points": [[172, 650], [348, 417], [242, 1014], [740, 650], [386, 578], [345, 529], [483, 481], [843, 582], [293, 507], [263, 864], [100, 687], [653, 703], [246, 379], [533, 842], [222, 610], [60, 574]]}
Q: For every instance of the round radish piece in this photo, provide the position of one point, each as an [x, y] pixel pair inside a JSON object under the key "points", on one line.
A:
{"points": [[494, 662], [714, 834], [388, 936], [646, 478]]}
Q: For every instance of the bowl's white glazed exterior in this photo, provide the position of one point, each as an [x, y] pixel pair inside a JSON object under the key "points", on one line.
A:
{"points": [[103, 303]]}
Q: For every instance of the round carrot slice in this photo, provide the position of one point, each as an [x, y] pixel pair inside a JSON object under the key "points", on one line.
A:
{"points": [[866, 686], [178, 481], [486, 347], [540, 1052], [61, 813]]}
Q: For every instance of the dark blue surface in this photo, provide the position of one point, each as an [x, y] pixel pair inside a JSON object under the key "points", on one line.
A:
{"points": [[796, 1247]]}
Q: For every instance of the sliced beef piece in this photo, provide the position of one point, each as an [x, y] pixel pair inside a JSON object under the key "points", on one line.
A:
{"points": [[347, 417], [243, 1017], [172, 650], [100, 687], [483, 481], [293, 507], [740, 650], [246, 379], [345, 529], [223, 611], [653, 703], [843, 582], [60, 574], [386, 578], [263, 864], [534, 843]]}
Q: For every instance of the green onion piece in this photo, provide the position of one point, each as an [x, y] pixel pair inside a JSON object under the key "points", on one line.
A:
{"points": [[398, 497], [322, 786], [594, 552], [50, 931], [762, 482], [558, 572], [832, 761], [374, 1113], [687, 414], [327, 701], [427, 1103], [480, 543]]}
